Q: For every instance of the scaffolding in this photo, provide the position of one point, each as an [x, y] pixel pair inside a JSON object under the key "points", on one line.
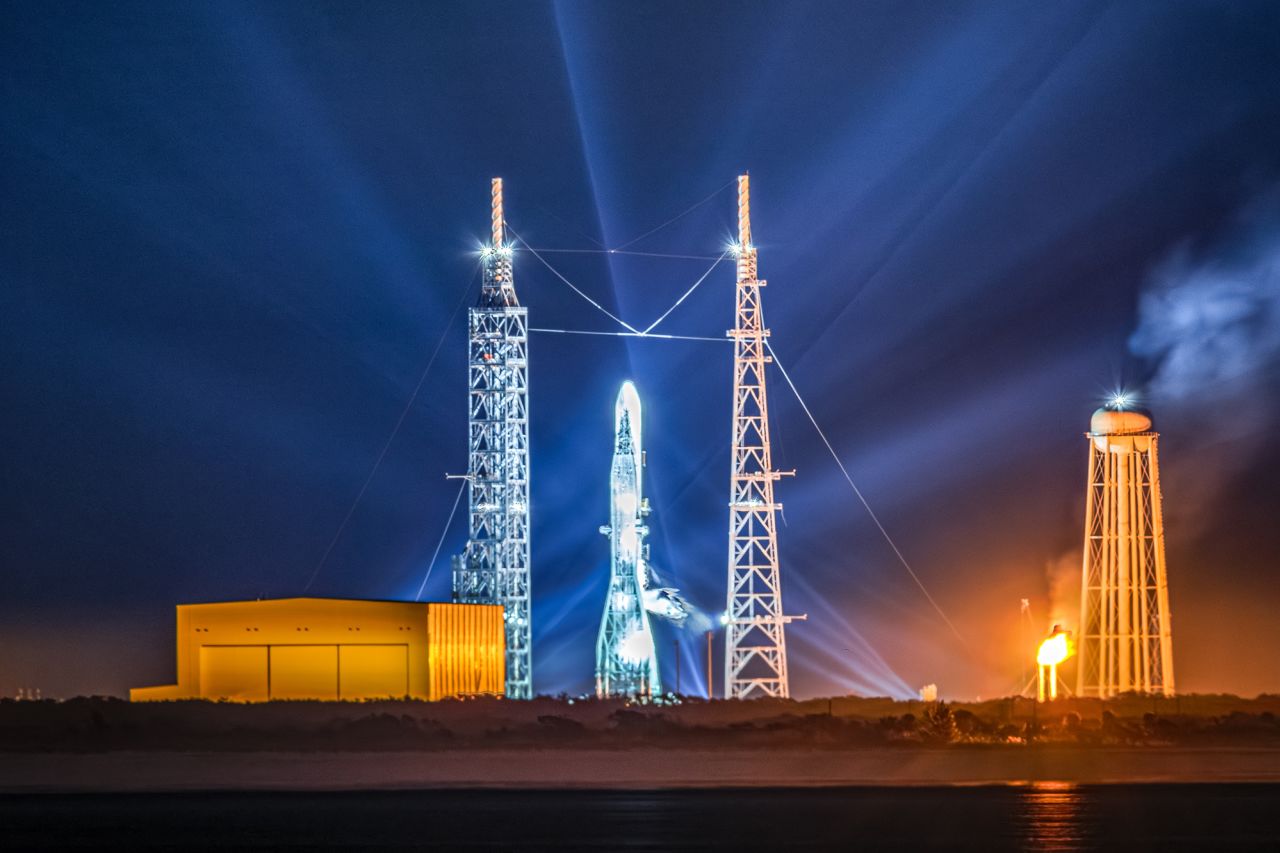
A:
{"points": [[494, 566]]}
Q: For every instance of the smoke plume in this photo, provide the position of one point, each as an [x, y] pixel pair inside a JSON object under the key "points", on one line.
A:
{"points": [[1063, 578], [1212, 330], [1209, 332]]}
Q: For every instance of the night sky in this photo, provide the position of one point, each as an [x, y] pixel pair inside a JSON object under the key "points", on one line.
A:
{"points": [[235, 235]]}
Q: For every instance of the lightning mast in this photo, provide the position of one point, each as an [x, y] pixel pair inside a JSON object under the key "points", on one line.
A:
{"points": [[755, 660], [494, 566]]}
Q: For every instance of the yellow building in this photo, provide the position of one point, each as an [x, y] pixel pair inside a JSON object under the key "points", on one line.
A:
{"points": [[323, 648]]}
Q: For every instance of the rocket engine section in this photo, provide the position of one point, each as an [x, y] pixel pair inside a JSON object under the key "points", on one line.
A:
{"points": [[626, 656]]}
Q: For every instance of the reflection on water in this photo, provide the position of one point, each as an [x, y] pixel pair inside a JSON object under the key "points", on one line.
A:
{"points": [[1045, 816], [1052, 816]]}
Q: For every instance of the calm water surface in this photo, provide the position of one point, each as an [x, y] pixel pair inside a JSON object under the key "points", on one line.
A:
{"points": [[1044, 816]]}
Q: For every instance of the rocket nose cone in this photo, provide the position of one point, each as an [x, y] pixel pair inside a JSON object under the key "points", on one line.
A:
{"points": [[628, 412], [628, 402], [627, 396]]}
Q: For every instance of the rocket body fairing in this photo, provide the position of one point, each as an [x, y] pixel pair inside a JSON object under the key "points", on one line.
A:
{"points": [[626, 656]]}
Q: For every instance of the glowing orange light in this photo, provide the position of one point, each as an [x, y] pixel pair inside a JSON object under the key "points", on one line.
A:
{"points": [[1054, 650]]}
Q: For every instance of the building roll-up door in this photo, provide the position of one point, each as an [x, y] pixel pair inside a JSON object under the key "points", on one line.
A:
{"points": [[235, 673], [304, 672], [374, 671]]}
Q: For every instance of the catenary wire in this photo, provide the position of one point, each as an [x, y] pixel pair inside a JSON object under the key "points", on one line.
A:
{"points": [[685, 295], [443, 533], [626, 252], [572, 286], [638, 332], [662, 336]]}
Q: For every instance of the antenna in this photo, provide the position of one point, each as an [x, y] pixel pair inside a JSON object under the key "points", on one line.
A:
{"points": [[496, 214]]}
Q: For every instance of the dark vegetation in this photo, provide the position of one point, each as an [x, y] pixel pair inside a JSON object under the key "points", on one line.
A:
{"points": [[102, 724]]}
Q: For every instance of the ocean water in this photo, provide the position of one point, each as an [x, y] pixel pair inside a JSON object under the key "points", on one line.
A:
{"points": [[1046, 816]]}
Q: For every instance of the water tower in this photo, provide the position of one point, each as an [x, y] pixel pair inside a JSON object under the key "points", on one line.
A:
{"points": [[1125, 638]]}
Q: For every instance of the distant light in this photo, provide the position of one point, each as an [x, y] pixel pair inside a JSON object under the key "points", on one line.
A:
{"points": [[1122, 400], [724, 618], [734, 249]]}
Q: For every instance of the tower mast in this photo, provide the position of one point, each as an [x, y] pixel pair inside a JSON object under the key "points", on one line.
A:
{"points": [[755, 660], [494, 566]]}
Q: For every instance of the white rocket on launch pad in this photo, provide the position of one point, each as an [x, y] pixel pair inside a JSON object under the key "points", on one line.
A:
{"points": [[626, 655]]}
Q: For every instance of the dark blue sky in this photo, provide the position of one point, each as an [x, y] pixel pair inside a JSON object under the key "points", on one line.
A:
{"points": [[234, 234]]}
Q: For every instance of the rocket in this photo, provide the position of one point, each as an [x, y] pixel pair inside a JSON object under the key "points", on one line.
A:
{"points": [[626, 656]]}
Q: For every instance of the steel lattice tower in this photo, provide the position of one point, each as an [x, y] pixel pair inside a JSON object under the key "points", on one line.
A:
{"points": [[494, 567], [755, 660], [1126, 640]]}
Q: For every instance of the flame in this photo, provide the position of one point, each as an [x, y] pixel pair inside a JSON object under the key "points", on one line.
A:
{"points": [[1055, 649]]}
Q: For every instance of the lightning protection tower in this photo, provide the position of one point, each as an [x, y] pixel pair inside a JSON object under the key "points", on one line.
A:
{"points": [[494, 567], [1125, 638], [755, 660]]}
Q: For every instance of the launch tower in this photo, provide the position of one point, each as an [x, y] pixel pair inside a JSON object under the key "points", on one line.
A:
{"points": [[755, 659], [494, 566], [1125, 639]]}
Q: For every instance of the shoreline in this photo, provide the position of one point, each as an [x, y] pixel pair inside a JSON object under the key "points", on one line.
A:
{"points": [[627, 769]]}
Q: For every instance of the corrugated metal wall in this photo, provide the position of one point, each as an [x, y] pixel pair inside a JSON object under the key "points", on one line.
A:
{"points": [[466, 650]]}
